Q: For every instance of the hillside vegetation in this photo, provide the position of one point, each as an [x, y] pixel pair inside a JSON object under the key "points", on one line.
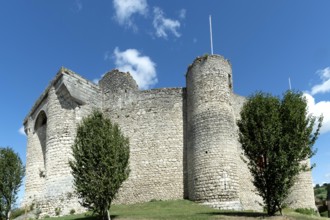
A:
{"points": [[320, 193]]}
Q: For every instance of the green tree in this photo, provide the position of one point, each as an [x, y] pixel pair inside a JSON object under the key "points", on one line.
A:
{"points": [[328, 199], [277, 138], [11, 176], [100, 165]]}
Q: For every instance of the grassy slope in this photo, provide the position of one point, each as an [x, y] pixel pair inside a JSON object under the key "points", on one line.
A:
{"points": [[182, 209]]}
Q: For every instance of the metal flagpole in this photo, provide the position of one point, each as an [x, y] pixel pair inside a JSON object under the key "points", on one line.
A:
{"points": [[289, 83], [210, 18]]}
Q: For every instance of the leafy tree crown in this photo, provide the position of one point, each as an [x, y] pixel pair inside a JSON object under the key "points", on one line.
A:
{"points": [[277, 136], [11, 176], [101, 159]]}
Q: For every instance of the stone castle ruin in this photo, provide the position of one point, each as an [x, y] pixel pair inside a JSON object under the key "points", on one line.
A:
{"points": [[183, 141]]}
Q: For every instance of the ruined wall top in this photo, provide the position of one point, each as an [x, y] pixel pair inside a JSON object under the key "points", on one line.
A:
{"points": [[201, 59], [71, 80], [116, 82]]}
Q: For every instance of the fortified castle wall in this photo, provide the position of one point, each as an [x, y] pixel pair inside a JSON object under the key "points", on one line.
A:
{"points": [[183, 141]]}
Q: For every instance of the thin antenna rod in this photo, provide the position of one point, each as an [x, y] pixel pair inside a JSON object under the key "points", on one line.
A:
{"points": [[210, 18], [289, 83]]}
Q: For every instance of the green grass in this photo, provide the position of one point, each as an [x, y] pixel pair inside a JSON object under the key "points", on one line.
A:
{"points": [[181, 209]]}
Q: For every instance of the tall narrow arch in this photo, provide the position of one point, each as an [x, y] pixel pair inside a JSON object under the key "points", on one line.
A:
{"points": [[40, 121], [40, 128]]}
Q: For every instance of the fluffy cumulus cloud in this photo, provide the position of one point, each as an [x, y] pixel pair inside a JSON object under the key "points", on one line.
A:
{"points": [[21, 131], [125, 9], [324, 86], [319, 108], [142, 68], [165, 25]]}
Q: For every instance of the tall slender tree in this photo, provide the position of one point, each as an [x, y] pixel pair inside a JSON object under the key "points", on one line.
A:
{"points": [[11, 176], [328, 199], [100, 165], [277, 136]]}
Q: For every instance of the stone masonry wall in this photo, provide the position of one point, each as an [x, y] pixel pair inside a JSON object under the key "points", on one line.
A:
{"points": [[153, 121], [183, 141], [49, 145], [35, 161]]}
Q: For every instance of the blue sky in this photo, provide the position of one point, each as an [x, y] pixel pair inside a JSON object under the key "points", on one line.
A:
{"points": [[266, 41]]}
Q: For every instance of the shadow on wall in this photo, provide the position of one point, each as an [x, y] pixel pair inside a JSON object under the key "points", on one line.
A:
{"points": [[40, 128], [184, 159]]}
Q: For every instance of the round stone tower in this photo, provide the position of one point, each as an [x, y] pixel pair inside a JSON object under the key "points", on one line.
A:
{"points": [[212, 153], [302, 192]]}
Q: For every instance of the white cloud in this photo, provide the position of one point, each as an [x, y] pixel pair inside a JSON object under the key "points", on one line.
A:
{"points": [[323, 107], [125, 9], [182, 13], [164, 25], [21, 131], [96, 81], [325, 85], [318, 109], [142, 68]]}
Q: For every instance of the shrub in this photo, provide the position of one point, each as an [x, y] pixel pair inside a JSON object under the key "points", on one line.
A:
{"points": [[58, 211], [69, 195], [17, 212], [38, 212], [306, 211], [72, 211], [324, 214], [32, 206]]}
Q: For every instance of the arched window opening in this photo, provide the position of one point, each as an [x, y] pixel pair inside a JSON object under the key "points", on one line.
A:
{"points": [[41, 121], [40, 128]]}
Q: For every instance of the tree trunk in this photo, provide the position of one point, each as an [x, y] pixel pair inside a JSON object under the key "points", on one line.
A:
{"points": [[328, 204], [8, 216], [108, 214]]}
